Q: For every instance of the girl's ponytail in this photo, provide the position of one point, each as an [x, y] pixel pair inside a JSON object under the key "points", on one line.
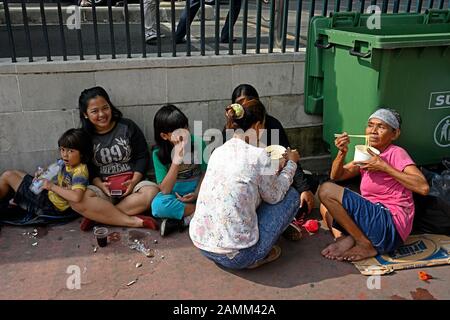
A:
{"points": [[245, 114]]}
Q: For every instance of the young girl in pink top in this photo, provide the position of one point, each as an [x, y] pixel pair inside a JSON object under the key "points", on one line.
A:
{"points": [[380, 219]]}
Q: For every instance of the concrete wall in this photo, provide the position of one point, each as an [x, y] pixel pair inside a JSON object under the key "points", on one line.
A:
{"points": [[38, 101]]}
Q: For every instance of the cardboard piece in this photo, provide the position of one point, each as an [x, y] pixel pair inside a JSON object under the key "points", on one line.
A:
{"points": [[418, 251]]}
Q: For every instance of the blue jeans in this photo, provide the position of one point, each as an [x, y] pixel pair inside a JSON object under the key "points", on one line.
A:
{"points": [[194, 6], [273, 219]]}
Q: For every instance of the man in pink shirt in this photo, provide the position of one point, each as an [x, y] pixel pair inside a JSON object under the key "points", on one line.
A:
{"points": [[380, 219]]}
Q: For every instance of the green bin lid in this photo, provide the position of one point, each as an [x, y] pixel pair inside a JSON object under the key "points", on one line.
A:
{"points": [[350, 29]]}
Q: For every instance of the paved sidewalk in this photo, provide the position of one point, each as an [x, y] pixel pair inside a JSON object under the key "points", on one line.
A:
{"points": [[179, 271]]}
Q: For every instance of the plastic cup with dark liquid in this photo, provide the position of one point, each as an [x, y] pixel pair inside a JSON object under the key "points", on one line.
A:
{"points": [[101, 234]]}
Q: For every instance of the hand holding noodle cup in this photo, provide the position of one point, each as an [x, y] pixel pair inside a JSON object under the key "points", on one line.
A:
{"points": [[362, 154], [280, 155], [276, 154], [361, 151]]}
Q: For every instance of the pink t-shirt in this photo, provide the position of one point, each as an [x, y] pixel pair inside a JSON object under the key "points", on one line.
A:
{"points": [[380, 187]]}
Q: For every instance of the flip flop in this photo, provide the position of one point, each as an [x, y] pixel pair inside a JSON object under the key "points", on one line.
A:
{"points": [[273, 255]]}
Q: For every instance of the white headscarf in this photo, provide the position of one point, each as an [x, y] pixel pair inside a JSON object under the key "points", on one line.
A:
{"points": [[387, 116]]}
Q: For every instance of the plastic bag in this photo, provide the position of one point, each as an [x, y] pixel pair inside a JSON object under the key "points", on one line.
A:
{"points": [[433, 211]]}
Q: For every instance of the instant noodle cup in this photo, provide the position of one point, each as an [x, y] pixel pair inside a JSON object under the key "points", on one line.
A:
{"points": [[275, 151], [361, 153]]}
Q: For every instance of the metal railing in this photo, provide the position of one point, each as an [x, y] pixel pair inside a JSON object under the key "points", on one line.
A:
{"points": [[264, 26]]}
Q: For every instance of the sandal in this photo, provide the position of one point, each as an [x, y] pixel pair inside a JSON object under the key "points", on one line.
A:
{"points": [[273, 255]]}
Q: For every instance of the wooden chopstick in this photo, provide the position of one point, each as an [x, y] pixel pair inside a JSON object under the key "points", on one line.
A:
{"points": [[337, 135]]}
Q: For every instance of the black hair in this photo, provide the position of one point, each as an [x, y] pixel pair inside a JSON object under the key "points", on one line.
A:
{"points": [[77, 139], [83, 102], [244, 90], [254, 111], [167, 119]]}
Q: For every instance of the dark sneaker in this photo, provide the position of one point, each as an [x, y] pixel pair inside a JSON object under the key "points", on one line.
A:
{"points": [[293, 232], [151, 37], [226, 40], [168, 226], [180, 40]]}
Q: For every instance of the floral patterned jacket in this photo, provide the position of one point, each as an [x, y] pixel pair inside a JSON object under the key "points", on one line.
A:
{"points": [[238, 178]]}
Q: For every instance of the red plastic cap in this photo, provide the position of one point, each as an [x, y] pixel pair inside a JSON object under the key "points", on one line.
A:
{"points": [[311, 226]]}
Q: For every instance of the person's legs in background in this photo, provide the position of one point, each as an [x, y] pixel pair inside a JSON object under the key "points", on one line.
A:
{"points": [[150, 21], [181, 27], [236, 8]]}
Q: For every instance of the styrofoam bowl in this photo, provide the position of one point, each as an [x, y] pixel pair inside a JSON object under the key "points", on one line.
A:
{"points": [[361, 153], [275, 151]]}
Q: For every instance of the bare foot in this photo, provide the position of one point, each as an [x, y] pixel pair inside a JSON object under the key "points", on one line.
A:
{"points": [[341, 237], [336, 250], [360, 251]]}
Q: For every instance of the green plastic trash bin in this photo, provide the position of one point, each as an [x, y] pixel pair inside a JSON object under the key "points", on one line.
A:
{"points": [[351, 70]]}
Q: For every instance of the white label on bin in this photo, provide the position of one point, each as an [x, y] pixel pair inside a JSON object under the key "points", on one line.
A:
{"points": [[439, 100], [442, 133]]}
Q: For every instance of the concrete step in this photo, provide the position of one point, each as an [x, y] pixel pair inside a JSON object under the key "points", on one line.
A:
{"points": [[85, 13]]}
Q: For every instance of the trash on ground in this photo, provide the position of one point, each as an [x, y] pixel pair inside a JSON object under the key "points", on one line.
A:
{"points": [[114, 236], [34, 244], [140, 246], [311, 226], [95, 249], [138, 265], [140, 242], [424, 276], [131, 283]]}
